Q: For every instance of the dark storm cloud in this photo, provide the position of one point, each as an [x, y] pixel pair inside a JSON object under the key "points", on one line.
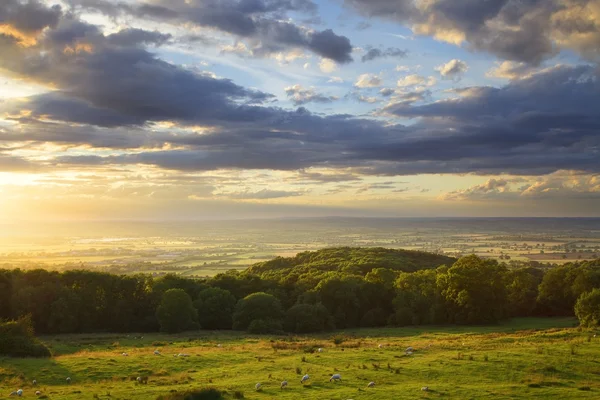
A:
{"points": [[374, 53], [534, 125], [531, 126], [259, 20], [519, 30], [135, 37], [28, 16]]}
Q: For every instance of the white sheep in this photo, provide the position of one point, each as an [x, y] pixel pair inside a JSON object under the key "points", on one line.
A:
{"points": [[284, 384], [335, 377], [425, 388], [20, 392], [219, 345], [69, 379], [409, 349], [380, 346], [38, 393], [125, 355], [139, 379], [34, 382], [371, 384], [258, 386], [304, 378], [157, 353], [320, 350]]}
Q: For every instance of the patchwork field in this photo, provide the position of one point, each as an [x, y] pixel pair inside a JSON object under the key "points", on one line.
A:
{"points": [[210, 247], [523, 359]]}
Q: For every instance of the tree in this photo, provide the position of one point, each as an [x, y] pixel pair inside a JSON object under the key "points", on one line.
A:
{"points": [[176, 313], [587, 308], [522, 286], [215, 308], [256, 306], [307, 318], [474, 291]]}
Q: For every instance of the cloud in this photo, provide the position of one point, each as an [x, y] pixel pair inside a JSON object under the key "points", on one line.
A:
{"points": [[300, 95], [489, 188], [124, 93], [516, 30], [415, 80], [453, 69], [374, 53], [335, 79], [511, 70], [262, 21], [386, 92], [555, 186], [264, 194], [368, 81], [327, 66]]}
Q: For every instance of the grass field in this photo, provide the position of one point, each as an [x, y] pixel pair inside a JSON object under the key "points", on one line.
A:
{"points": [[522, 359]]}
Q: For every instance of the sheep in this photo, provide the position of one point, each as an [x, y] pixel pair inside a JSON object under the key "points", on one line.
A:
{"points": [[409, 349], [14, 393], [425, 388], [69, 379], [219, 345], [380, 346], [142, 380], [335, 377], [371, 384], [157, 353], [125, 355], [183, 355], [304, 378], [320, 350], [38, 393], [258, 386], [20, 392], [284, 384], [34, 382]]}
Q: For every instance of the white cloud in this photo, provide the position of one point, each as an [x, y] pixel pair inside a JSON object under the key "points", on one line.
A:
{"points": [[415, 80], [453, 69], [368, 81], [511, 70], [328, 66], [335, 79]]}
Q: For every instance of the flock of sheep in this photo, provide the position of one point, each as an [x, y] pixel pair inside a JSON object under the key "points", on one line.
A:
{"points": [[258, 386]]}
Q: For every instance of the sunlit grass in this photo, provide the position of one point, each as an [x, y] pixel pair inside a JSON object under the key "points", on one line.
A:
{"points": [[526, 358]]}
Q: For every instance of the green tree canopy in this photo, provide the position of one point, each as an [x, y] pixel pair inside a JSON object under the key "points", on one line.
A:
{"points": [[587, 308], [307, 318], [474, 290], [256, 306], [215, 308], [176, 313]]}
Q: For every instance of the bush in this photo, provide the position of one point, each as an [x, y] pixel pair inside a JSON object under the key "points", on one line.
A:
{"points": [[307, 318], [203, 394], [262, 326], [17, 340], [587, 308], [257, 306]]}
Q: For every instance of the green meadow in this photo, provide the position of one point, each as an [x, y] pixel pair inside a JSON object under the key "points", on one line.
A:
{"points": [[521, 359]]}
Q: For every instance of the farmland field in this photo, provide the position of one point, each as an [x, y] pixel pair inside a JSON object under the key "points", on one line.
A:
{"points": [[522, 359], [207, 248]]}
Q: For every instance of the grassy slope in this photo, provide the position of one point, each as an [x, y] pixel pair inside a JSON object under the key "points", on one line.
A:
{"points": [[517, 355]]}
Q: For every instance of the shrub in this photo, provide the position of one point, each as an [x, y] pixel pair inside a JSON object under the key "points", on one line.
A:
{"points": [[202, 394], [17, 340], [262, 326], [308, 318]]}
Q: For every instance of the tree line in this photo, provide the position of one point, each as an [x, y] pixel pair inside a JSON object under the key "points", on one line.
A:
{"points": [[314, 291]]}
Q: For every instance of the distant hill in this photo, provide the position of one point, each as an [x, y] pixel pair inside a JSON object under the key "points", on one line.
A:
{"points": [[352, 260]]}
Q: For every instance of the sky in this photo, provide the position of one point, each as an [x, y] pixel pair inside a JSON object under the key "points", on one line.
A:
{"points": [[196, 109]]}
